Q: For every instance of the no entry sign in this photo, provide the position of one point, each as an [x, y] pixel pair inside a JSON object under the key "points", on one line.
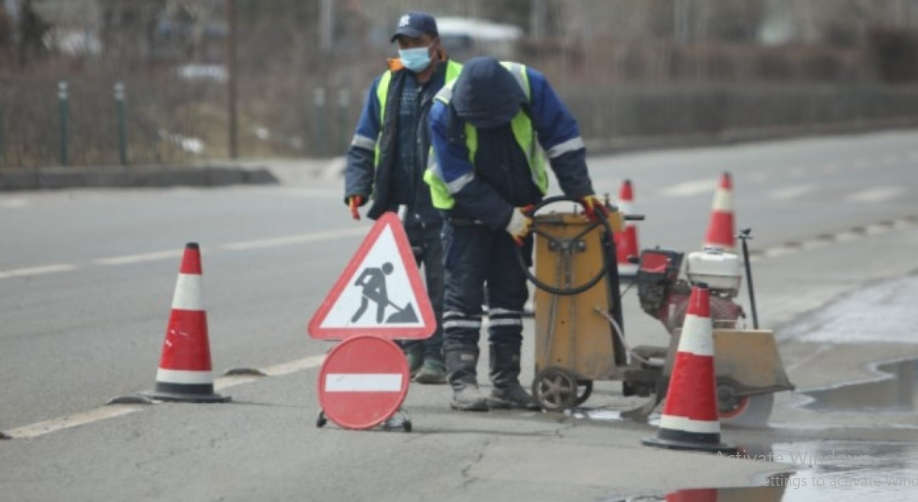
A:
{"points": [[363, 382]]}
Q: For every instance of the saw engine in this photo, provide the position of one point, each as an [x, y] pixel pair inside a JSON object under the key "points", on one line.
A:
{"points": [[664, 293]]}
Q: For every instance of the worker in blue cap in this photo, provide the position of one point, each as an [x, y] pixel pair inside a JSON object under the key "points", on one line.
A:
{"points": [[387, 158]]}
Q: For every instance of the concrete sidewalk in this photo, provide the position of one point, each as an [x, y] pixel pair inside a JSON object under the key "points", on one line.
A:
{"points": [[305, 171]]}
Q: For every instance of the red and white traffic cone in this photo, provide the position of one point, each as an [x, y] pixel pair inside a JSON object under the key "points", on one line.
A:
{"points": [[185, 372], [626, 242], [690, 419], [721, 230]]}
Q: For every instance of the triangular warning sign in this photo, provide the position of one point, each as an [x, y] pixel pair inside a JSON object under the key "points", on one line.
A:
{"points": [[379, 293]]}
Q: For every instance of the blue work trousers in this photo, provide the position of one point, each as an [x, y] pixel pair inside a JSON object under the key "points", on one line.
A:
{"points": [[427, 243], [478, 257]]}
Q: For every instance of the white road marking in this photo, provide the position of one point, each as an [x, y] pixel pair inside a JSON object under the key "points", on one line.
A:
{"points": [[791, 192], [295, 239], [313, 193], [876, 194], [177, 253], [294, 366], [112, 411], [46, 269], [779, 251], [15, 203], [689, 188], [75, 420], [139, 258]]}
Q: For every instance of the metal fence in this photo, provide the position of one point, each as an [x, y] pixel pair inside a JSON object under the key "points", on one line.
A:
{"points": [[626, 69]]}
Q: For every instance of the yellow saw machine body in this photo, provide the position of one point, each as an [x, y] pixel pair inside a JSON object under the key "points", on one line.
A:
{"points": [[580, 336]]}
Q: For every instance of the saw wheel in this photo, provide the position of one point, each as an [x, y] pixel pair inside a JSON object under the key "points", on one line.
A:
{"points": [[743, 411]]}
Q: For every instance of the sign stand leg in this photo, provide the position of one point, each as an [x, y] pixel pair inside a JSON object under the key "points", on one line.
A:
{"points": [[399, 420]]}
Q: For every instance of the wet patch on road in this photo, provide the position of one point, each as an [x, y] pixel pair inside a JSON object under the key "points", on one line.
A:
{"points": [[836, 471], [896, 392], [881, 313]]}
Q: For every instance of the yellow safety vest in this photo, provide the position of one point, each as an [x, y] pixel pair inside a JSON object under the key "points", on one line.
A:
{"points": [[523, 132], [382, 96]]}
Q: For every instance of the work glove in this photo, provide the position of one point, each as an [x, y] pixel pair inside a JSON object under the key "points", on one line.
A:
{"points": [[520, 224], [355, 201], [592, 206]]}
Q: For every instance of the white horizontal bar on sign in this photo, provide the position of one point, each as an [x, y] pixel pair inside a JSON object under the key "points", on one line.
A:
{"points": [[363, 382]]}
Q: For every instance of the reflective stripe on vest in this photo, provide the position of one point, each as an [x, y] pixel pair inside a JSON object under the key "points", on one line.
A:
{"points": [[523, 133], [382, 98]]}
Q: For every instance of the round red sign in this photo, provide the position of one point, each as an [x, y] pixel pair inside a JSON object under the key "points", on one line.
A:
{"points": [[363, 382]]}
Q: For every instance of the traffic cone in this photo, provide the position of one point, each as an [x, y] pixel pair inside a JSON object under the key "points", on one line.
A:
{"points": [[626, 242], [690, 419], [184, 370], [721, 230]]}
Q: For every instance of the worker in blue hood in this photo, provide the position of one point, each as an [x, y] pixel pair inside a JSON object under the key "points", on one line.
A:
{"points": [[489, 96], [489, 129]]}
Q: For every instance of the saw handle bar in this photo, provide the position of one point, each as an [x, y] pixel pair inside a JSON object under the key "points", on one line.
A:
{"points": [[564, 244]]}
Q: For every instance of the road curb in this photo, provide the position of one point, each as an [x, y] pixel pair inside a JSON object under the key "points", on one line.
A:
{"points": [[51, 178]]}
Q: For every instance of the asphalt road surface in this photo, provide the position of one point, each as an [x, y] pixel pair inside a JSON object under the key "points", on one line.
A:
{"points": [[86, 281]]}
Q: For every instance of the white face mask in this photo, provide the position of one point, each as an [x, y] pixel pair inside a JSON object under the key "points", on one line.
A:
{"points": [[416, 59]]}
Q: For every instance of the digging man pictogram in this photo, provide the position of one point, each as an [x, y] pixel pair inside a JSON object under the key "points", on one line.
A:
{"points": [[373, 282]]}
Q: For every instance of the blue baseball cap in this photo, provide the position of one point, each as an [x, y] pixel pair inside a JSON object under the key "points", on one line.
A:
{"points": [[414, 24]]}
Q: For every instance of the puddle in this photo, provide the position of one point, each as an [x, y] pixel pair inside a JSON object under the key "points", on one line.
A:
{"points": [[896, 392], [836, 471]]}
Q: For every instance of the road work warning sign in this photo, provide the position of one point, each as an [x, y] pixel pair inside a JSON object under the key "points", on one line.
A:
{"points": [[379, 293]]}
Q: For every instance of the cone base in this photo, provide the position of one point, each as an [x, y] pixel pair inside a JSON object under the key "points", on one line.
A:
{"points": [[188, 398], [674, 444]]}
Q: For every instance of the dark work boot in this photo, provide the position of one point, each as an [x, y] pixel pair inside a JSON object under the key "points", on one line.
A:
{"points": [[461, 365], [414, 352], [433, 371], [507, 393]]}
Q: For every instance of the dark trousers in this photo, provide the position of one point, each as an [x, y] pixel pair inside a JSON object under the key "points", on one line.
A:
{"points": [[427, 243], [478, 257]]}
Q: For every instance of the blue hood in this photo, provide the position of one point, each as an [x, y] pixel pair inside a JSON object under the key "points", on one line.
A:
{"points": [[486, 94]]}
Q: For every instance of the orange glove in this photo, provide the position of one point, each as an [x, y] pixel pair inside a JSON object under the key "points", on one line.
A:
{"points": [[520, 224], [355, 201], [592, 206]]}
